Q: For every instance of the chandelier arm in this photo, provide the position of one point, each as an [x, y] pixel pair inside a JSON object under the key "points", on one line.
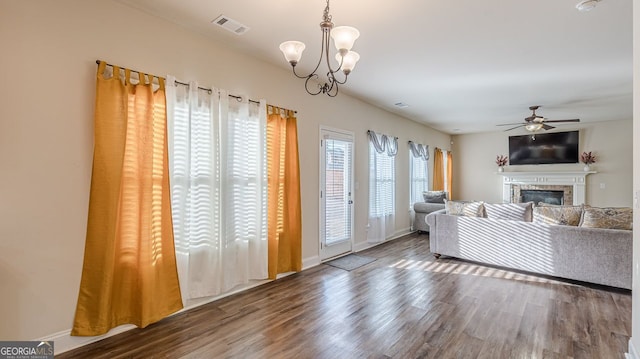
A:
{"points": [[299, 76], [306, 85], [341, 82], [312, 73], [327, 44], [335, 93], [324, 35], [332, 83]]}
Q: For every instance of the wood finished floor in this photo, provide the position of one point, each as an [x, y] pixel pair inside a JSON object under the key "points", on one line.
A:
{"points": [[404, 305]]}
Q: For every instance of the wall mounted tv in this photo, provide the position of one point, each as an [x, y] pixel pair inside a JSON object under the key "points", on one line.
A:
{"points": [[544, 148]]}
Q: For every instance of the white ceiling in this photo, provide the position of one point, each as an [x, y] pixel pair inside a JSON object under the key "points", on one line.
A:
{"points": [[462, 66]]}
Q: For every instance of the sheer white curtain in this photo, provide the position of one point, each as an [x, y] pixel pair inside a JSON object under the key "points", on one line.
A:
{"points": [[418, 172], [382, 183], [244, 189], [445, 165], [219, 218]]}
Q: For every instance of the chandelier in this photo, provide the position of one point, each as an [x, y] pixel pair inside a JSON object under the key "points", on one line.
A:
{"points": [[343, 39]]}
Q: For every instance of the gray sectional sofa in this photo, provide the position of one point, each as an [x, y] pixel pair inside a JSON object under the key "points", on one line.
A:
{"points": [[595, 255], [421, 210], [433, 201]]}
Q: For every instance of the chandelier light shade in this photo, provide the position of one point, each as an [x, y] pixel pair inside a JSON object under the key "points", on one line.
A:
{"points": [[348, 61], [292, 51], [343, 38]]}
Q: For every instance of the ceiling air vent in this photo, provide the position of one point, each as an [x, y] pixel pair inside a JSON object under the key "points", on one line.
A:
{"points": [[230, 25]]}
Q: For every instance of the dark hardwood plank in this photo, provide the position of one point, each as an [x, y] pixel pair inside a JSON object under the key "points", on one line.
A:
{"points": [[406, 304]]}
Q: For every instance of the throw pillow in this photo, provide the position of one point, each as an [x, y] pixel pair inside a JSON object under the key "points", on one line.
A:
{"points": [[510, 211], [553, 214], [610, 218], [462, 208], [434, 196]]}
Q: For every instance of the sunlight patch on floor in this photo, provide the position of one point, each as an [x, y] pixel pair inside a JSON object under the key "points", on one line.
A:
{"points": [[468, 269]]}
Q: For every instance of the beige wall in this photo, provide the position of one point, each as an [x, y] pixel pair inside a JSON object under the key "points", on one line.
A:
{"points": [[611, 141], [48, 71]]}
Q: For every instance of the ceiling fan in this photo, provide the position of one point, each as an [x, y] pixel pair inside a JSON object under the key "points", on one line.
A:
{"points": [[536, 122]]}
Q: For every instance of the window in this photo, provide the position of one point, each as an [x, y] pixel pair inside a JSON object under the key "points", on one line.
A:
{"points": [[383, 177], [418, 172], [382, 184]]}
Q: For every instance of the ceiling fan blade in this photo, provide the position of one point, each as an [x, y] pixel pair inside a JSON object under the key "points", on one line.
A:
{"points": [[571, 120], [510, 124], [547, 127], [513, 128]]}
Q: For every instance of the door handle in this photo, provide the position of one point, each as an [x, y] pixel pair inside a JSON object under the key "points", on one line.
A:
{"points": [[350, 202]]}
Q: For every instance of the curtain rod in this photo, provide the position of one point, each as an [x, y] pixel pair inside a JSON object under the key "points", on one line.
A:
{"points": [[185, 84]]}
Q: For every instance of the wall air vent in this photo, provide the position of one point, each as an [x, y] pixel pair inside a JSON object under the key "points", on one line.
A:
{"points": [[230, 25]]}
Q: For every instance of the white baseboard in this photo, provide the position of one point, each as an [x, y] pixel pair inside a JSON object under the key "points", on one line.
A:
{"points": [[633, 353], [359, 247], [310, 262], [64, 342]]}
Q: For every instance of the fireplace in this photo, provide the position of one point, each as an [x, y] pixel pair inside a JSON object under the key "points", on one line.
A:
{"points": [[552, 194], [571, 184], [545, 196]]}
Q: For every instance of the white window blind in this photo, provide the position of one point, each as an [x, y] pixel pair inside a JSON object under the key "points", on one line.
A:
{"points": [[383, 175], [337, 183], [418, 172], [382, 183], [244, 194], [218, 180]]}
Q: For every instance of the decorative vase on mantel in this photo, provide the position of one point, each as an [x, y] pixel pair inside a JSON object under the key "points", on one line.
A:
{"points": [[501, 161], [587, 158]]}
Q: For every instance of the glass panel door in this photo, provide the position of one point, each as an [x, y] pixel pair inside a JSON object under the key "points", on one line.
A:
{"points": [[336, 213]]}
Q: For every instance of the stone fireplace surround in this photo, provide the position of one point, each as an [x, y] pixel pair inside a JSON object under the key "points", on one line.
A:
{"points": [[567, 191], [572, 183]]}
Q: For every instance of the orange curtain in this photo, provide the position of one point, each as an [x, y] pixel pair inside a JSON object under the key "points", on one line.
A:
{"points": [[450, 174], [129, 274], [283, 192], [438, 170]]}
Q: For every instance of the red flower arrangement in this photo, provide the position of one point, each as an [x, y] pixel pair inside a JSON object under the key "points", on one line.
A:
{"points": [[587, 158], [501, 160]]}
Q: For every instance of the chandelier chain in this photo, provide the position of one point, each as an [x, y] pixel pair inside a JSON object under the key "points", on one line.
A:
{"points": [[327, 16]]}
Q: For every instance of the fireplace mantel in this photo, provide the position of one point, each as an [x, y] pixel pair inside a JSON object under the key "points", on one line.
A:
{"points": [[576, 179]]}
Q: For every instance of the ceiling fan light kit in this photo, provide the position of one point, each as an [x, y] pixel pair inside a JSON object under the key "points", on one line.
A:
{"points": [[535, 122], [343, 39], [587, 5], [533, 127]]}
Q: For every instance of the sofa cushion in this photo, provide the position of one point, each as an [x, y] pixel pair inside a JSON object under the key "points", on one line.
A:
{"points": [[609, 217], [463, 208], [553, 214], [434, 196], [510, 211], [422, 207]]}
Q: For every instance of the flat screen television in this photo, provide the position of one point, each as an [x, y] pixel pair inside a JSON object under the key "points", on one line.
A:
{"points": [[544, 148]]}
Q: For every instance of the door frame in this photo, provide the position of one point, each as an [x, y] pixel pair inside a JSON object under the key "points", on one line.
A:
{"points": [[347, 136]]}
